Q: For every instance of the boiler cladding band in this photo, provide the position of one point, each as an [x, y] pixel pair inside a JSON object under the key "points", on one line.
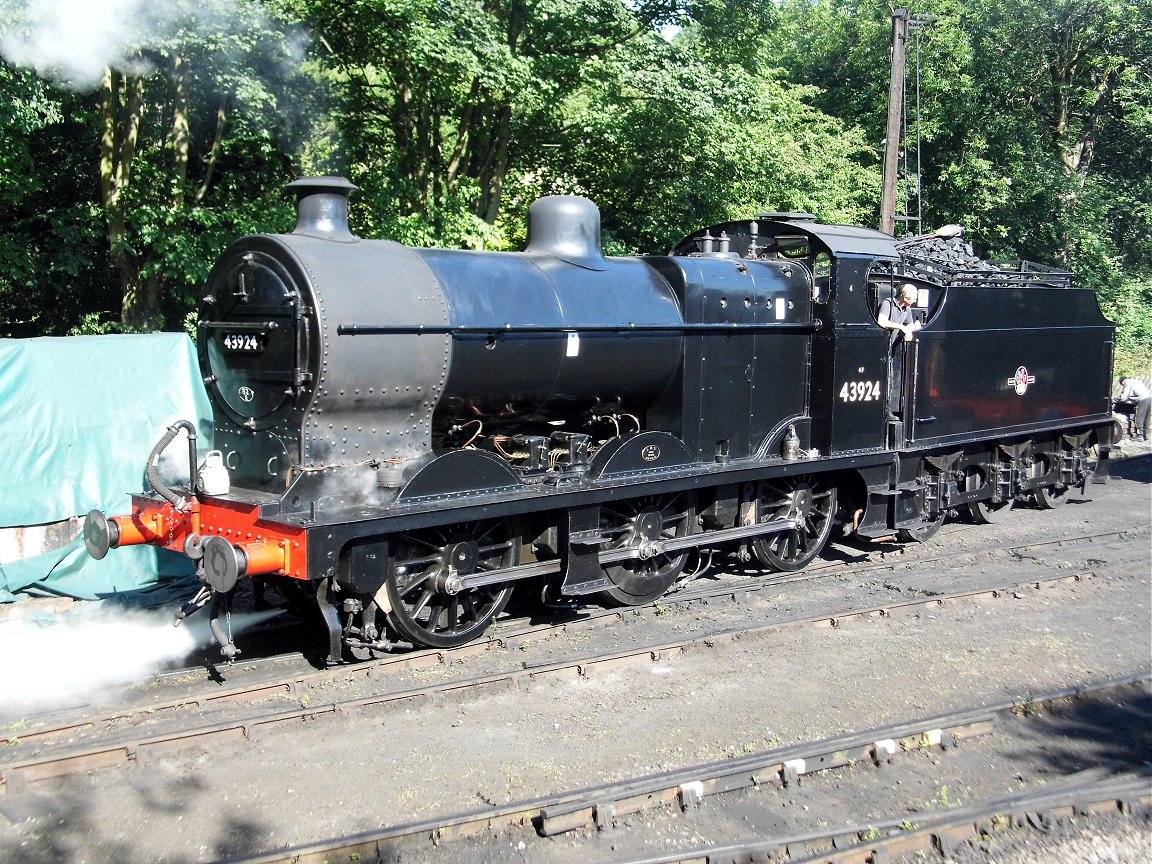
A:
{"points": [[443, 329]]}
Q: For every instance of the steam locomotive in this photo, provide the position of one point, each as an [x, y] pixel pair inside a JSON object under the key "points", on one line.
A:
{"points": [[408, 433]]}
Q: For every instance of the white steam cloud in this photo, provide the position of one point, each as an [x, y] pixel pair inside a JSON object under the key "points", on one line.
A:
{"points": [[73, 41], [82, 656]]}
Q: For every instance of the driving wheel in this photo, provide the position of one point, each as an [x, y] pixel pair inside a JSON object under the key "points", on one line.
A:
{"points": [[640, 524], [428, 607], [811, 503]]}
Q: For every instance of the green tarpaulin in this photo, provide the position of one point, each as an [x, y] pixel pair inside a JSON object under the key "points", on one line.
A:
{"points": [[78, 418]]}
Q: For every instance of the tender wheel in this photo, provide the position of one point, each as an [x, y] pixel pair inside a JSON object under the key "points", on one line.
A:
{"points": [[1048, 497], [425, 608], [636, 523], [923, 532], [1118, 431], [988, 512], [983, 512], [812, 502], [1051, 497]]}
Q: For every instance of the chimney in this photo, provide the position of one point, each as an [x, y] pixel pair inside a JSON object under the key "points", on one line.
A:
{"points": [[322, 208]]}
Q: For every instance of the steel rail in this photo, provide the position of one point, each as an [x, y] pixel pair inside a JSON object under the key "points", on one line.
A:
{"points": [[600, 806], [1097, 790], [433, 658], [17, 774]]}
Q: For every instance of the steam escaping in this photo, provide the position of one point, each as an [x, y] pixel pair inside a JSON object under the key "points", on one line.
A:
{"points": [[72, 42], [80, 657]]}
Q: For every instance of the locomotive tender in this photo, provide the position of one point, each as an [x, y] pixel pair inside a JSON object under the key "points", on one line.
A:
{"points": [[409, 432]]}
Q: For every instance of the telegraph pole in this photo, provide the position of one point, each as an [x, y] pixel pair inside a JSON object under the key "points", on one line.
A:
{"points": [[900, 19]]}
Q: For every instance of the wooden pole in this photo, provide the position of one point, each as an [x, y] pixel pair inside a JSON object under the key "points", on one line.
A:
{"points": [[900, 19]]}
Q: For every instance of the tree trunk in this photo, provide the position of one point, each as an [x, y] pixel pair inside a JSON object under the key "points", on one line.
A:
{"points": [[120, 104], [1081, 97], [499, 171]]}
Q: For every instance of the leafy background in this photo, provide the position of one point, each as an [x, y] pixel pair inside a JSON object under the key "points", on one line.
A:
{"points": [[139, 137]]}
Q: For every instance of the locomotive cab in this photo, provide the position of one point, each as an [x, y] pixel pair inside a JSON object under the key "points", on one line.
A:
{"points": [[847, 353]]}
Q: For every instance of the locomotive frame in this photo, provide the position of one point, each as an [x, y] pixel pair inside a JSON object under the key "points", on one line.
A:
{"points": [[618, 417]]}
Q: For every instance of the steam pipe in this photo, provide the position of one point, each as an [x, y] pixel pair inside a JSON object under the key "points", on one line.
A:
{"points": [[154, 458]]}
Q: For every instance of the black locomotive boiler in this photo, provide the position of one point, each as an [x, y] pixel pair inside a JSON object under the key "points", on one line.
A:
{"points": [[410, 432]]}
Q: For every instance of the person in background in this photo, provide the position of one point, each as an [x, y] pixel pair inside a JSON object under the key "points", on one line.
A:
{"points": [[1135, 392]]}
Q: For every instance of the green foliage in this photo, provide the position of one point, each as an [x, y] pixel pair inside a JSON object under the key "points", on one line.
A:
{"points": [[451, 116], [47, 245], [98, 324], [1034, 125], [196, 159], [665, 140]]}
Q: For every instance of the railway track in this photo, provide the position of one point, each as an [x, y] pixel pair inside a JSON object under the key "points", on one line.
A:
{"points": [[542, 710], [517, 634], [150, 732], [267, 682], [1105, 788]]}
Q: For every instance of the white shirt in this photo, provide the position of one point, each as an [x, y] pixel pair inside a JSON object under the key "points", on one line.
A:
{"points": [[1135, 390]]}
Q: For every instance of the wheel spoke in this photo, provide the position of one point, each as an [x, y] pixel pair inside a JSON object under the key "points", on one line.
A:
{"points": [[812, 506], [618, 515], [469, 605], [418, 582], [425, 561], [487, 551], [422, 610], [421, 603], [417, 540]]}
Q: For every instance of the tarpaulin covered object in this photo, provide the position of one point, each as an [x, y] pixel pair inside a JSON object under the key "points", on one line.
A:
{"points": [[79, 417]]}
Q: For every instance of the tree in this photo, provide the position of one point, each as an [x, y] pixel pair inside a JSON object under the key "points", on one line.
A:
{"points": [[666, 138], [1061, 71], [440, 100], [179, 127], [50, 244], [201, 102], [1034, 124]]}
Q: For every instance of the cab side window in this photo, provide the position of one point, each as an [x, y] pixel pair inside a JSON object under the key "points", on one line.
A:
{"points": [[822, 277]]}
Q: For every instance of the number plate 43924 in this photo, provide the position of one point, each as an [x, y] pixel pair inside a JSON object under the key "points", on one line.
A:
{"points": [[860, 391], [245, 343]]}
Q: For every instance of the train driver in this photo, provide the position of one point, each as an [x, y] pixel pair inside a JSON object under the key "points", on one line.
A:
{"points": [[896, 312]]}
